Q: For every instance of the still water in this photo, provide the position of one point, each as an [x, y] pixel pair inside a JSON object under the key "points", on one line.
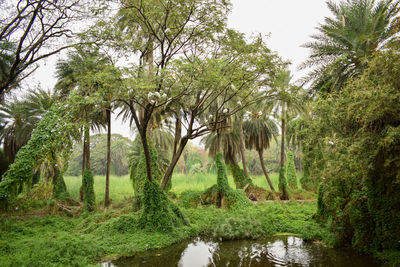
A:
{"points": [[272, 251]]}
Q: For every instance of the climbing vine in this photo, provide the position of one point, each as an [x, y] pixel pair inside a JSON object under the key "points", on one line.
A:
{"points": [[283, 184], [88, 196], [238, 176], [229, 197], [291, 170], [358, 158], [52, 136]]}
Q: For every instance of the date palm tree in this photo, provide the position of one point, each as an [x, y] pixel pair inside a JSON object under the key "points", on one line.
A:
{"points": [[75, 74], [19, 117], [347, 40], [287, 103], [231, 152], [259, 130]]}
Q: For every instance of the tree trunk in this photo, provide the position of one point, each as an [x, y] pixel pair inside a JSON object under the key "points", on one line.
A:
{"points": [[86, 156], [87, 148], [178, 134], [175, 157], [173, 163], [242, 149], [282, 163], [83, 156], [146, 153], [260, 154], [219, 141], [107, 196]]}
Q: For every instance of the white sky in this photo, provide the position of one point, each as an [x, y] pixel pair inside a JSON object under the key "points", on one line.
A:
{"points": [[289, 24]]}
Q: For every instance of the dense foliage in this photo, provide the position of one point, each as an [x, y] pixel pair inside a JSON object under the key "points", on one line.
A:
{"points": [[38, 241], [360, 167], [49, 145], [89, 199], [291, 171], [183, 74]]}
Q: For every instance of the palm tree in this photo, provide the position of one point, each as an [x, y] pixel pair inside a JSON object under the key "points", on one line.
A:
{"points": [[259, 130], [346, 41], [18, 119], [287, 103], [231, 150], [75, 73]]}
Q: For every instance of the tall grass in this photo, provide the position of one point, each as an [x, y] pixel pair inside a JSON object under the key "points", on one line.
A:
{"points": [[121, 187]]}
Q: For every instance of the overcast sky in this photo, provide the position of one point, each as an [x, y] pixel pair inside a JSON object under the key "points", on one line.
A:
{"points": [[289, 24]]}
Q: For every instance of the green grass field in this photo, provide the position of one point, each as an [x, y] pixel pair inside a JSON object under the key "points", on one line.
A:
{"points": [[121, 187]]}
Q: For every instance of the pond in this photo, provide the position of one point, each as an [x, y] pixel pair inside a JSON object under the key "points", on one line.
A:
{"points": [[272, 251]]}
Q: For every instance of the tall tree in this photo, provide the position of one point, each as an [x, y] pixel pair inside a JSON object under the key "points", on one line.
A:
{"points": [[259, 130], [80, 73], [348, 39], [286, 104], [19, 118], [33, 30]]}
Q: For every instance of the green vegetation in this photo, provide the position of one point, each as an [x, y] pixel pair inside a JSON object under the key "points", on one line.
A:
{"points": [[89, 198], [121, 186], [89, 239], [51, 136], [187, 75], [359, 170], [120, 147], [291, 171]]}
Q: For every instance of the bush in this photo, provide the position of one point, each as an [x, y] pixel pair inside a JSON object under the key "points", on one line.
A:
{"points": [[190, 199], [158, 214]]}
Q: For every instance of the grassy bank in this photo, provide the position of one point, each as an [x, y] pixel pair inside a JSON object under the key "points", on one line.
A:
{"points": [[43, 240], [91, 238]]}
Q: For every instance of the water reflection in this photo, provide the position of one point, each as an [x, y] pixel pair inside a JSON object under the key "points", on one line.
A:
{"points": [[198, 254], [274, 251]]}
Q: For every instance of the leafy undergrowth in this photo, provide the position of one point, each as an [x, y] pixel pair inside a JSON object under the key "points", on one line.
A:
{"points": [[91, 238]]}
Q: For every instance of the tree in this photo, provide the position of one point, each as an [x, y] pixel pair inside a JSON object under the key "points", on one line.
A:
{"points": [[259, 130], [19, 118], [80, 73], [163, 31], [188, 58], [291, 171], [231, 150], [31, 31], [288, 102], [359, 133], [50, 145], [347, 41]]}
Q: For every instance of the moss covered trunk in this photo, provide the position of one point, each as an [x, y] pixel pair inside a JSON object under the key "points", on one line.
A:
{"points": [[242, 149], [158, 212], [88, 194], [282, 178], [86, 158], [59, 187], [107, 193]]}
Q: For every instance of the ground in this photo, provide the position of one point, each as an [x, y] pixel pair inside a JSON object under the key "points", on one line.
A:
{"points": [[34, 238]]}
